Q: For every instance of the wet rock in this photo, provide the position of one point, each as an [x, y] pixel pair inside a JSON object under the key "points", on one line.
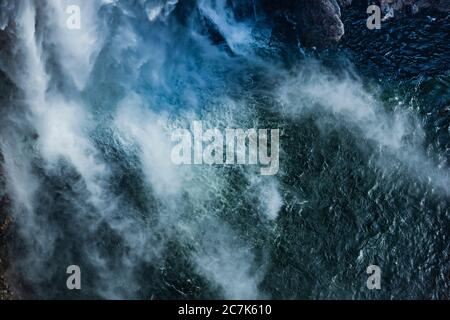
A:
{"points": [[317, 22]]}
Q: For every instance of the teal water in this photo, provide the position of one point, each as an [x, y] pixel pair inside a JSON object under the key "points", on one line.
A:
{"points": [[363, 165]]}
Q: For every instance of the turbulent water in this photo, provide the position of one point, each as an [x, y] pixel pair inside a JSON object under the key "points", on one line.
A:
{"points": [[86, 118]]}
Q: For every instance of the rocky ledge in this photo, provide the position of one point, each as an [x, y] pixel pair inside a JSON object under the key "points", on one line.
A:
{"points": [[319, 23], [415, 5]]}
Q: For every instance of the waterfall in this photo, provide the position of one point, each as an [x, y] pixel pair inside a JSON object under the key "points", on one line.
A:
{"points": [[87, 147]]}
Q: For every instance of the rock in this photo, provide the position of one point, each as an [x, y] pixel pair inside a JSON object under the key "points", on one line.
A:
{"points": [[317, 22]]}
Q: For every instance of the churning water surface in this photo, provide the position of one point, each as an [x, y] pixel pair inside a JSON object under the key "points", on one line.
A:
{"points": [[86, 147]]}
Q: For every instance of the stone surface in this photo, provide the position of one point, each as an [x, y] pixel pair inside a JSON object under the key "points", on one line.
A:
{"points": [[319, 21]]}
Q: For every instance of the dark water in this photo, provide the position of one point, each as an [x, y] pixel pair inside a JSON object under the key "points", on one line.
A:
{"points": [[364, 156], [409, 56]]}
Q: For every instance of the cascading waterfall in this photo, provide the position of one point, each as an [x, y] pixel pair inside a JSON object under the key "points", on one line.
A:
{"points": [[86, 147]]}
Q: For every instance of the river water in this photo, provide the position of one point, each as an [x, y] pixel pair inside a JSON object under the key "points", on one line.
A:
{"points": [[364, 157]]}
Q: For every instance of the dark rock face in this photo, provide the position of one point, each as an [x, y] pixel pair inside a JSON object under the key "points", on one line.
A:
{"points": [[319, 22]]}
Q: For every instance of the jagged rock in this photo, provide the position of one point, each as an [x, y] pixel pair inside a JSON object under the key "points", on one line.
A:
{"points": [[317, 22]]}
